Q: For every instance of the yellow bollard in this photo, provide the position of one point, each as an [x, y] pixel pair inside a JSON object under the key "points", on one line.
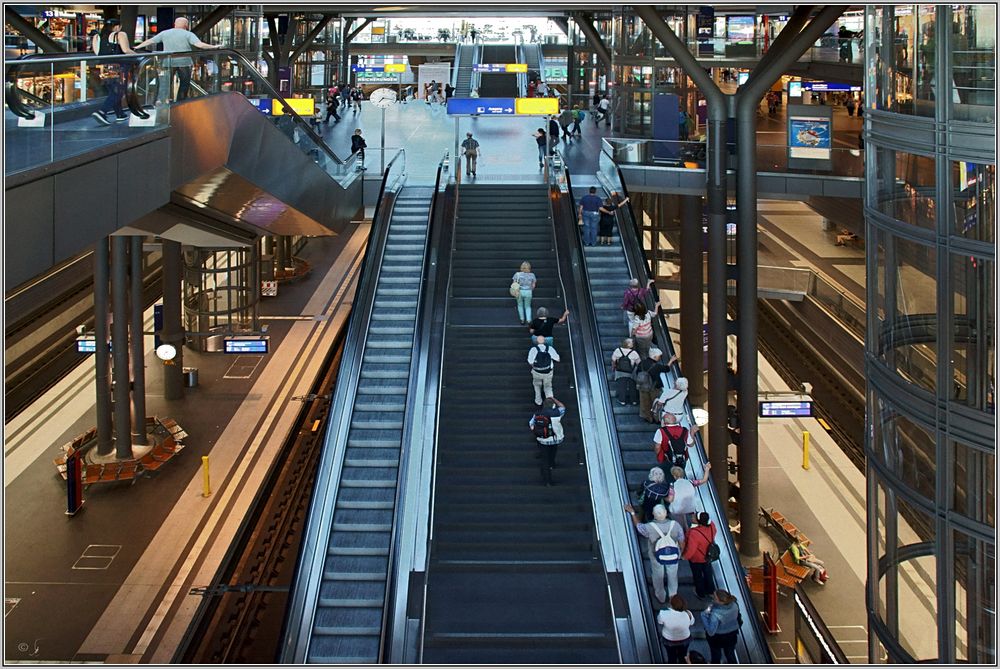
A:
{"points": [[207, 489], [805, 450]]}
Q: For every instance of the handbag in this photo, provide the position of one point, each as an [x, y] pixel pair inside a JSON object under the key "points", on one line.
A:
{"points": [[515, 290]]}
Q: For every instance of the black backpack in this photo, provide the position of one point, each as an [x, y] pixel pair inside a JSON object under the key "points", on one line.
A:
{"points": [[543, 426], [677, 452], [625, 364], [543, 361], [643, 379], [109, 45]]}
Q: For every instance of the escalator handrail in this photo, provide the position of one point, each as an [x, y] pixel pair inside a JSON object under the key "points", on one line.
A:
{"points": [[304, 593], [595, 377], [423, 401], [385, 180], [631, 240]]}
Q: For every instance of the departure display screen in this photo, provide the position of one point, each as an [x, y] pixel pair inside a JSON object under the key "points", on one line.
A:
{"points": [[246, 345], [785, 409]]}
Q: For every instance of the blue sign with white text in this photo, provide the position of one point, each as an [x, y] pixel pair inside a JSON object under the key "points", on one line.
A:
{"points": [[482, 106], [262, 104]]}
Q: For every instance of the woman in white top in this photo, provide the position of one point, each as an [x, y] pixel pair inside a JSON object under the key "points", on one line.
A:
{"points": [[671, 400], [525, 278], [676, 623]]}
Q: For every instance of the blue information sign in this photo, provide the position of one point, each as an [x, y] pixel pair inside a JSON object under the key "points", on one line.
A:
{"points": [[482, 106], [828, 86], [490, 67], [367, 68], [246, 345], [262, 104], [795, 409], [86, 344]]}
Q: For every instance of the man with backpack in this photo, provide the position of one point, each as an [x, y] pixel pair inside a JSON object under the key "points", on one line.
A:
{"points": [[670, 442], [624, 361], [547, 427], [700, 550], [665, 543], [541, 359], [648, 381]]}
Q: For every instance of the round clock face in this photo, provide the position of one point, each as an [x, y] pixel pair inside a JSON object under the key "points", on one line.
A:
{"points": [[166, 352], [383, 97]]}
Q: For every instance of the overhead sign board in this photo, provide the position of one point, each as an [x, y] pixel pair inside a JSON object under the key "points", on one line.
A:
{"points": [[246, 345], [510, 68], [262, 104], [536, 106], [828, 86], [86, 344], [786, 409], [394, 67], [301, 106], [504, 106]]}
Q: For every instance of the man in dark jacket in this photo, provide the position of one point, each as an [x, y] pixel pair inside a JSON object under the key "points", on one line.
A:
{"points": [[548, 420], [358, 145]]}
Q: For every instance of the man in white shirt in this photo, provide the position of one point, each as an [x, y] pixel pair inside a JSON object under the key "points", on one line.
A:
{"points": [[541, 358], [178, 39], [659, 570]]}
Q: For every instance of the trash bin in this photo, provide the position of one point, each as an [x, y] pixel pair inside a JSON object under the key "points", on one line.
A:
{"points": [[190, 377], [630, 152]]}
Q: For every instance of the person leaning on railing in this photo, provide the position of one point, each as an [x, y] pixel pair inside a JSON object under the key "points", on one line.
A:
{"points": [[178, 39]]}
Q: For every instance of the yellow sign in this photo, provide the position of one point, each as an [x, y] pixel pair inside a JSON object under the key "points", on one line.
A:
{"points": [[517, 67], [301, 106], [394, 67], [537, 106], [378, 30]]}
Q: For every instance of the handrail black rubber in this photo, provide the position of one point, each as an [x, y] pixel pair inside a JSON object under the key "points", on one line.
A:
{"points": [[385, 180], [592, 381]]}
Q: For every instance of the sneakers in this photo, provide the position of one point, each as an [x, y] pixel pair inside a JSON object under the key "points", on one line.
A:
{"points": [[119, 119], [101, 118]]}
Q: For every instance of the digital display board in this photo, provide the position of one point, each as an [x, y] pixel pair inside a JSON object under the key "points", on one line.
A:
{"points": [[86, 344], [794, 89], [246, 345], [741, 78], [739, 28], [785, 409]]}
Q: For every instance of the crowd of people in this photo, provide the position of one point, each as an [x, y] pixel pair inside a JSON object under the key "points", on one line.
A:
{"points": [[666, 515]]}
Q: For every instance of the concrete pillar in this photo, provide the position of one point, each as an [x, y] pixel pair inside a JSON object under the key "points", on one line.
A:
{"points": [[102, 357], [173, 327], [718, 433], [137, 343], [692, 298], [119, 347]]}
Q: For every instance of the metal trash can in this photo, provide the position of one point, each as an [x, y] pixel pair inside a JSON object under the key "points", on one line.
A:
{"points": [[630, 152], [190, 377]]}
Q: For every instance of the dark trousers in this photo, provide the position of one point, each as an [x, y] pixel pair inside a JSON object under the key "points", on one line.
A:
{"points": [[548, 457], [704, 579], [677, 651], [331, 111], [184, 75], [115, 89], [723, 643], [576, 127]]}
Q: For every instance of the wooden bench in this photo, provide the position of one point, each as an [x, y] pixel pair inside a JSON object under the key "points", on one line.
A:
{"points": [[169, 434], [787, 572], [784, 526], [111, 471]]}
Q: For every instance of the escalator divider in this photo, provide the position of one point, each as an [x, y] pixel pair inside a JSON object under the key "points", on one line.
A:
{"points": [[733, 572], [412, 530], [635, 626], [305, 590]]}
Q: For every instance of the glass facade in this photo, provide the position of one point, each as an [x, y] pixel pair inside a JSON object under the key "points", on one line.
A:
{"points": [[930, 210]]}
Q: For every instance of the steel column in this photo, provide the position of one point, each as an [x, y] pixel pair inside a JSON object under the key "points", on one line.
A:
{"points": [[102, 356], [173, 328], [692, 298], [119, 346], [137, 343]]}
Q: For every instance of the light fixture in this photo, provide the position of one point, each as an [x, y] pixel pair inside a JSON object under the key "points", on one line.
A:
{"points": [[166, 352], [700, 416]]}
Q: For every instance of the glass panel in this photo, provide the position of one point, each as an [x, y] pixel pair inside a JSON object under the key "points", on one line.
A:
{"points": [[973, 49], [907, 449], [902, 64], [926, 59], [974, 188], [906, 184], [908, 341], [975, 483], [975, 600], [917, 596], [973, 284]]}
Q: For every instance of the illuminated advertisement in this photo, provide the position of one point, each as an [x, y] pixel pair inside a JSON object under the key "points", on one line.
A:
{"points": [[739, 28], [809, 137], [794, 89]]}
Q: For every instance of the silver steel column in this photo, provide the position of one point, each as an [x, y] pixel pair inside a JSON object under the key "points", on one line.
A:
{"points": [[173, 328], [692, 298], [747, 100], [119, 346], [102, 357], [137, 343]]}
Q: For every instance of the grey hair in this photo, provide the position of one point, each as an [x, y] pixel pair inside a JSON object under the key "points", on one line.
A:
{"points": [[669, 418], [677, 472], [655, 353], [681, 383], [656, 475], [542, 312], [659, 512], [633, 283]]}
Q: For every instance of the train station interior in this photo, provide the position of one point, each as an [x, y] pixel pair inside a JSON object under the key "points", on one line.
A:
{"points": [[500, 333]]}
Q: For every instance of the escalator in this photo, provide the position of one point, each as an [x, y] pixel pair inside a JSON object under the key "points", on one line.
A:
{"points": [[515, 573], [339, 598], [498, 85], [463, 78], [533, 58], [609, 269]]}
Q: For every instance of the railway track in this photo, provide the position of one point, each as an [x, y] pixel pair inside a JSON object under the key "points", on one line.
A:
{"points": [[241, 619]]}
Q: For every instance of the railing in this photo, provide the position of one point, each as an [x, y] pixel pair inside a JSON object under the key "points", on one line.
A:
{"points": [[828, 48], [848, 309], [76, 87], [396, 165]]}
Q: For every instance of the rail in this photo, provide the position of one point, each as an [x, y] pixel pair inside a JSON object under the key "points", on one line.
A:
{"points": [[605, 467], [732, 570], [412, 531], [401, 156]]}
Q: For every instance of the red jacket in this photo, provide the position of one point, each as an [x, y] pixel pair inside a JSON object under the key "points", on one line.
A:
{"points": [[697, 541]]}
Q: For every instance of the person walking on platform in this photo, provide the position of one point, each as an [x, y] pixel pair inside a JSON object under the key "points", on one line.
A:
{"points": [[470, 149], [589, 213], [578, 116], [542, 359], [676, 622], [633, 296], [649, 384], [345, 96], [358, 145], [565, 121], [357, 95], [553, 136], [722, 621], [542, 140], [653, 530], [624, 361], [547, 427], [604, 107], [525, 280], [332, 102], [543, 324], [700, 538], [178, 38], [681, 497]]}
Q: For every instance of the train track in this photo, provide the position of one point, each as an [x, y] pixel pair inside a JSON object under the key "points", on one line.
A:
{"points": [[241, 620]]}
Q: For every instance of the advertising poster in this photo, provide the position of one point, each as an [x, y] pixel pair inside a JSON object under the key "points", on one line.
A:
{"points": [[809, 138], [739, 28]]}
